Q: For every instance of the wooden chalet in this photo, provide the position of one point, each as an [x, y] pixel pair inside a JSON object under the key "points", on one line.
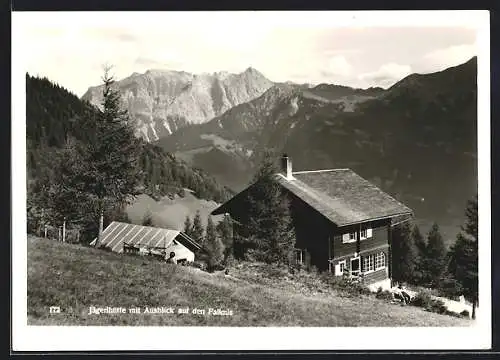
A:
{"points": [[342, 221]]}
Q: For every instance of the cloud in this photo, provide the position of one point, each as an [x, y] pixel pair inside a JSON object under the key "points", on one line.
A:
{"points": [[343, 51], [71, 51], [386, 75], [338, 65], [109, 34], [150, 63], [127, 37], [440, 59]]}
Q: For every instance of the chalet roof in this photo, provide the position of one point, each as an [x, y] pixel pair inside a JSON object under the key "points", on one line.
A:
{"points": [[118, 233], [342, 196]]}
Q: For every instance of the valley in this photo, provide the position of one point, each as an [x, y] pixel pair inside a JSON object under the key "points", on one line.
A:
{"points": [[416, 140]]}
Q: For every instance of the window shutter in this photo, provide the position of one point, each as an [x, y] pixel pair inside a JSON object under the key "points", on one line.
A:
{"points": [[368, 233], [345, 237]]}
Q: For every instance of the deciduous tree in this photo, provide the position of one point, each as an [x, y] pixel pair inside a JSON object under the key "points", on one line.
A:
{"points": [[147, 219]]}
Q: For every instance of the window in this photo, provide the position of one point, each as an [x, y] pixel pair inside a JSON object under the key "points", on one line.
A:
{"points": [[365, 233], [300, 256], [342, 266], [373, 262], [379, 261], [368, 263], [349, 237]]}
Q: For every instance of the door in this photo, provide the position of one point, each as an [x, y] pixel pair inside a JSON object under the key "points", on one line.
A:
{"points": [[355, 266]]}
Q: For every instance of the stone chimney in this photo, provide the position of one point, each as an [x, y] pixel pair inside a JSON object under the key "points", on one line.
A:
{"points": [[286, 166]]}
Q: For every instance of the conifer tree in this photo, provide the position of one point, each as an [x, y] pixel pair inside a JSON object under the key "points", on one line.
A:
{"points": [[112, 176], [225, 231], [403, 253], [435, 261], [213, 245], [450, 286], [419, 245], [94, 178], [197, 229], [188, 227], [463, 263], [59, 192], [269, 225], [470, 226]]}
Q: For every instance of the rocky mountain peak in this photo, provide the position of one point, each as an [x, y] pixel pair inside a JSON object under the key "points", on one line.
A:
{"points": [[161, 101]]}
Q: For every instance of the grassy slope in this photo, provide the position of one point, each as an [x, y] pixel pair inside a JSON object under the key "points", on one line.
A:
{"points": [[75, 277]]}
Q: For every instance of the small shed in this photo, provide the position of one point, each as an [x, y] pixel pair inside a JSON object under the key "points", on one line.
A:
{"points": [[147, 240]]}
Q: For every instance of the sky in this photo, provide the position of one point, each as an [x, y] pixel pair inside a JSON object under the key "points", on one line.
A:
{"points": [[326, 47]]}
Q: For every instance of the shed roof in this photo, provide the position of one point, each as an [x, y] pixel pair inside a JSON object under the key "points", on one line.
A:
{"points": [[342, 196], [118, 233]]}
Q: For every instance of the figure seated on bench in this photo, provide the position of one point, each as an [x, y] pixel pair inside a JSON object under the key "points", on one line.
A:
{"points": [[400, 293]]}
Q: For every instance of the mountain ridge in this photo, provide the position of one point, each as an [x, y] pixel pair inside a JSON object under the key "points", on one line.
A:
{"points": [[416, 140], [163, 101]]}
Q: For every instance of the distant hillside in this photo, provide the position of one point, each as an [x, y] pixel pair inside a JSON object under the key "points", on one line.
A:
{"points": [[416, 140], [53, 114], [171, 212], [163, 101], [227, 145], [76, 277]]}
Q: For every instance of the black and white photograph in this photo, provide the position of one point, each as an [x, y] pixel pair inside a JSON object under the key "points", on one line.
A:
{"points": [[251, 180]]}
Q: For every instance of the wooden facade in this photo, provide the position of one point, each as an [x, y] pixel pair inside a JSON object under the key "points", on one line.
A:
{"points": [[323, 243], [342, 222]]}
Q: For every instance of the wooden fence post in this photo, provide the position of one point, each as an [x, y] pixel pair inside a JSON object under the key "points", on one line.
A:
{"points": [[42, 220], [64, 230]]}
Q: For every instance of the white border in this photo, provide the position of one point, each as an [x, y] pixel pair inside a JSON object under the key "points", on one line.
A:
{"points": [[45, 338]]}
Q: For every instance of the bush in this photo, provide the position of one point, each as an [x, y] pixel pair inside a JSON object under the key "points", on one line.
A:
{"points": [[296, 268], [423, 299], [215, 267], [346, 285], [384, 294], [194, 264], [198, 264], [465, 313], [438, 306], [314, 270], [452, 313]]}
